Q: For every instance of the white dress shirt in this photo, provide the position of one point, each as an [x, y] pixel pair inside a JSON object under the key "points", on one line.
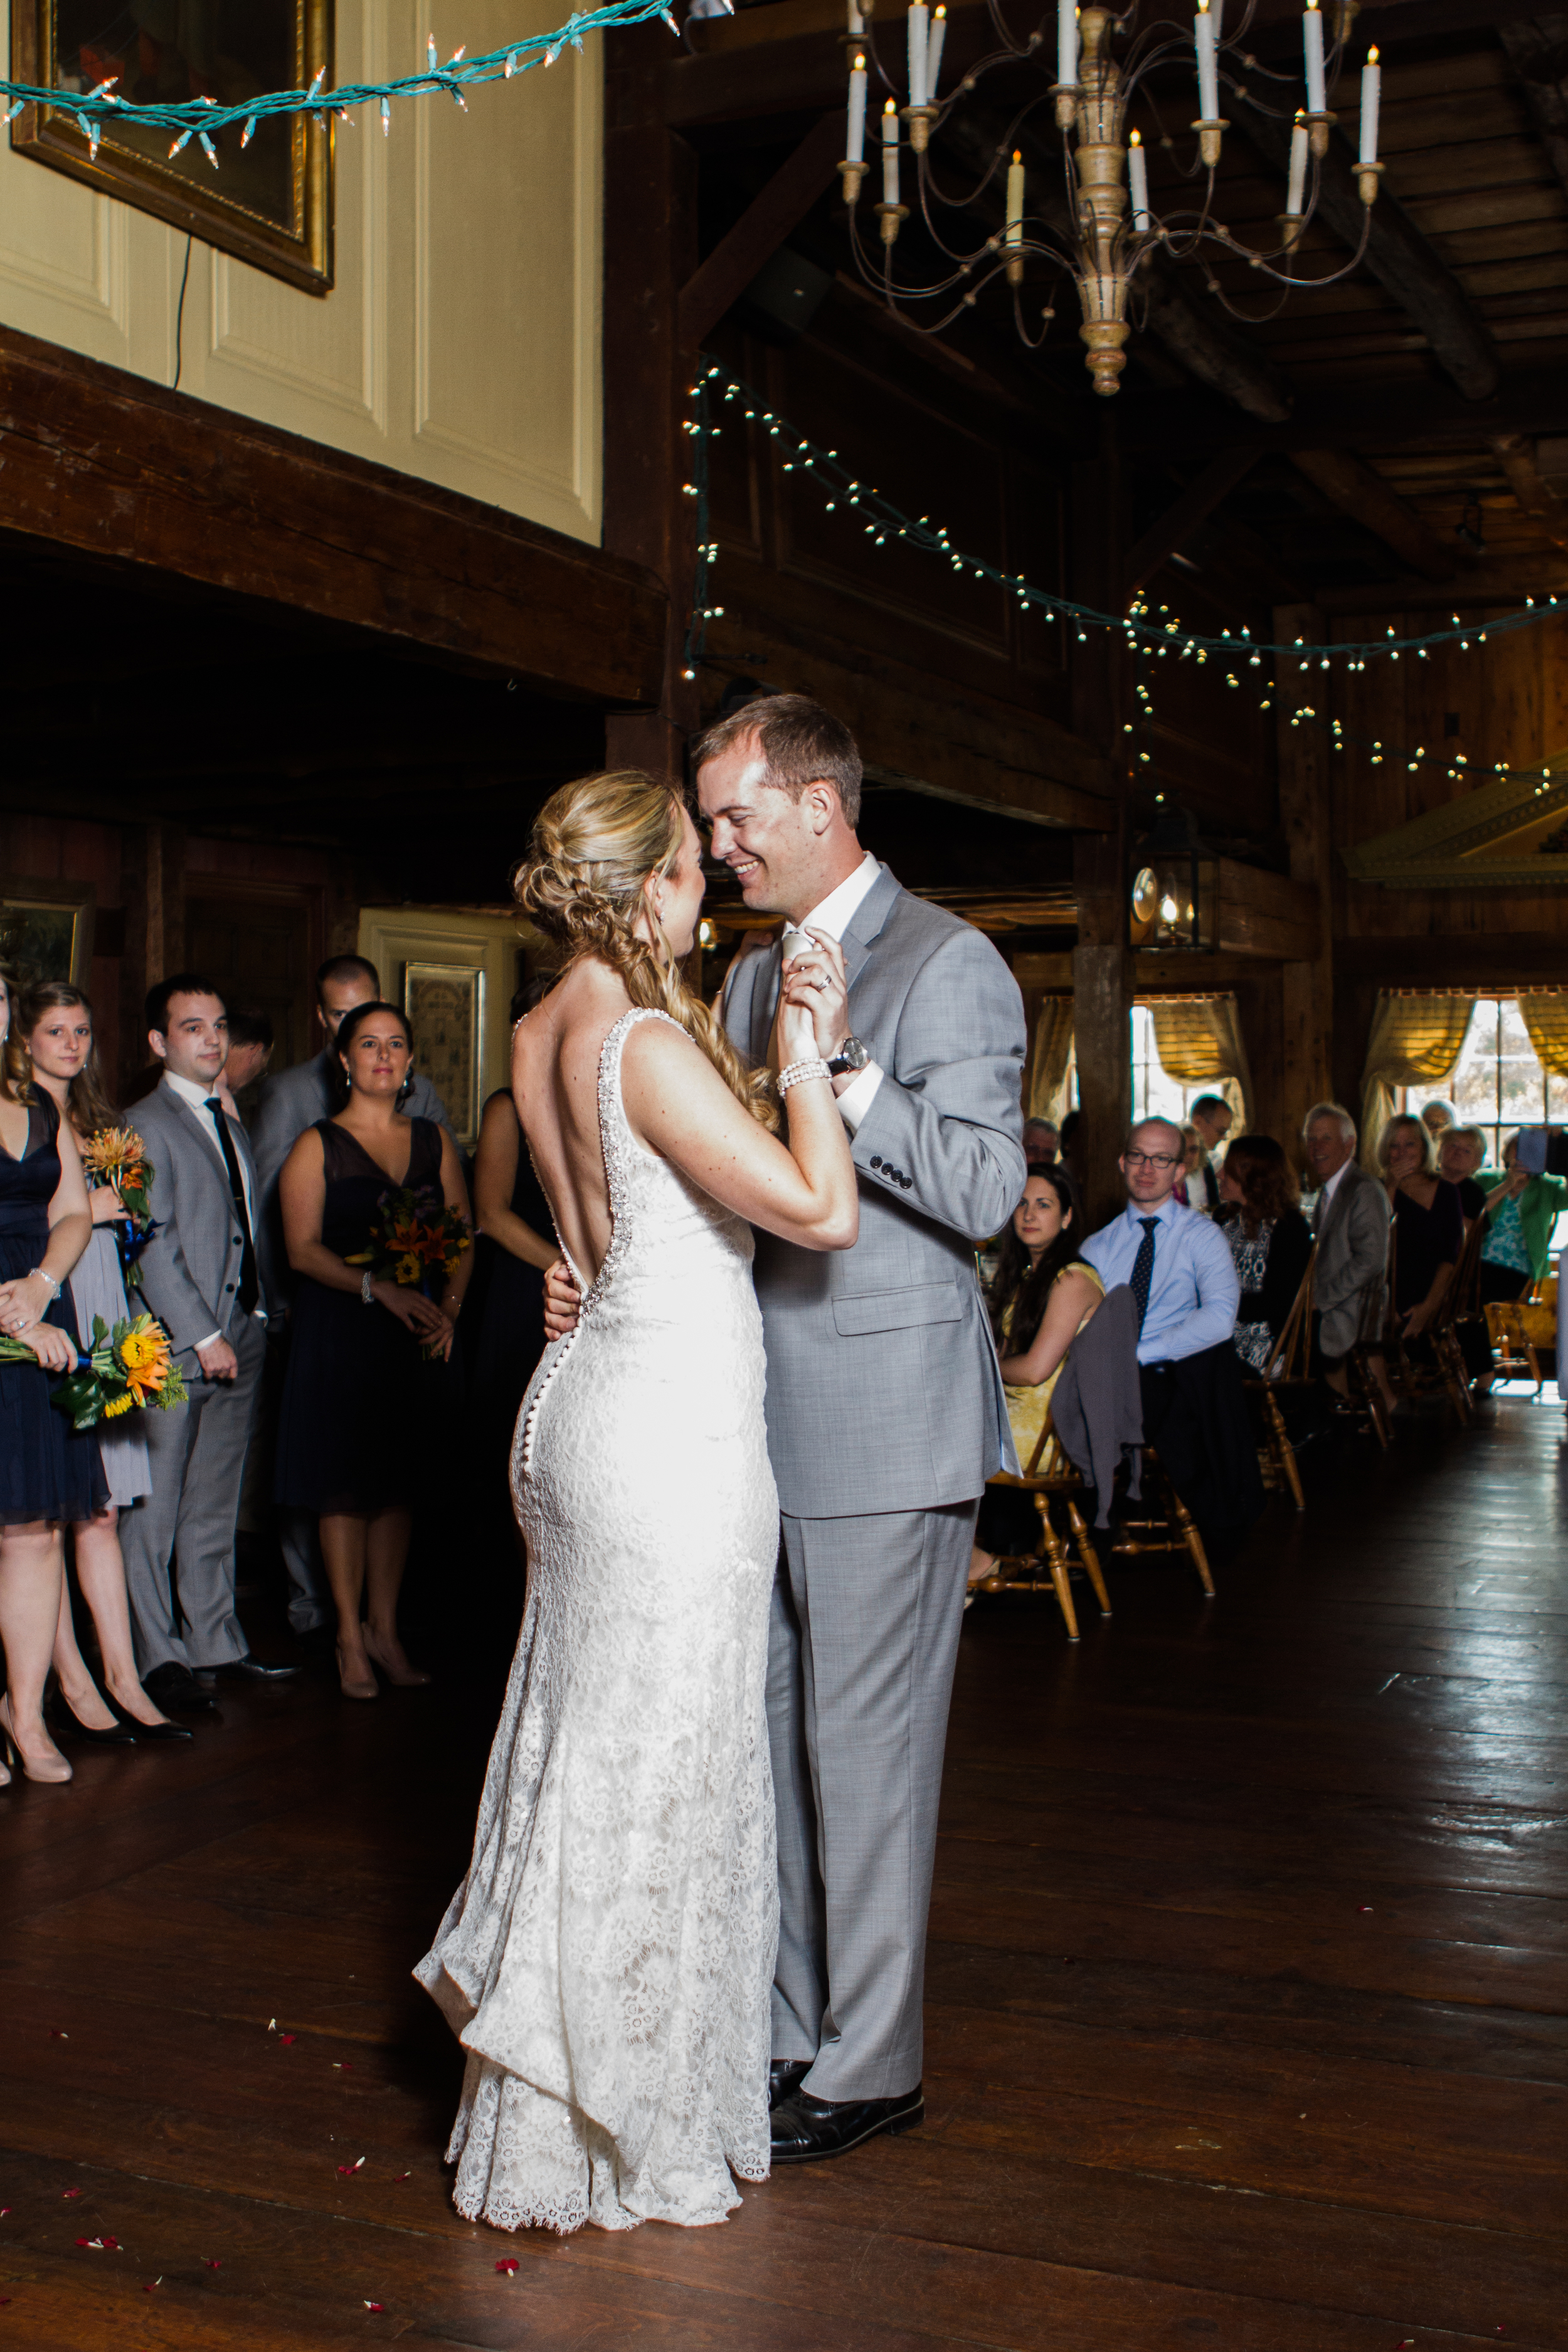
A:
{"points": [[1193, 1289], [195, 1099], [833, 915], [1321, 1213]]}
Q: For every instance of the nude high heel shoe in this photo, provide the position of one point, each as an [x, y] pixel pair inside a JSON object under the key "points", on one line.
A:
{"points": [[370, 1688], [402, 1676], [51, 1770]]}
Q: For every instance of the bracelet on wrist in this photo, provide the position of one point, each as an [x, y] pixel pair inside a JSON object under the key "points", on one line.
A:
{"points": [[365, 1291], [797, 1073], [36, 1273]]}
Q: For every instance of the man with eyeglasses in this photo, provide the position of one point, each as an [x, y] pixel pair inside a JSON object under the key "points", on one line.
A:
{"points": [[1179, 1268]]}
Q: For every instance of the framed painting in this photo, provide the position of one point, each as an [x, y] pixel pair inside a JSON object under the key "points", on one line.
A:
{"points": [[46, 929], [446, 1007], [270, 203]]}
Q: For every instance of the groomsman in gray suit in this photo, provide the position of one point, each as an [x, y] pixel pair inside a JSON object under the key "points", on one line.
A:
{"points": [[291, 1102], [200, 1277], [886, 1413]]}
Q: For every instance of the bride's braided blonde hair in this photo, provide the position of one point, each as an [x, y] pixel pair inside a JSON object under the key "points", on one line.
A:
{"points": [[595, 844]]}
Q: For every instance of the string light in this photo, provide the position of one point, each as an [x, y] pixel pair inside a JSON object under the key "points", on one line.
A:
{"points": [[98, 109]]}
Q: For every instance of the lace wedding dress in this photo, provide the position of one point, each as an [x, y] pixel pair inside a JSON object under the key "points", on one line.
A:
{"points": [[607, 1961]]}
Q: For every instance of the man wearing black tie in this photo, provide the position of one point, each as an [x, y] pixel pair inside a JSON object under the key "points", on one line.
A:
{"points": [[199, 1277]]}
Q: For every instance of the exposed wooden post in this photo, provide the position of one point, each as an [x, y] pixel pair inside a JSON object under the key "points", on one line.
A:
{"points": [[1102, 1004], [1306, 1060], [153, 881], [650, 253]]}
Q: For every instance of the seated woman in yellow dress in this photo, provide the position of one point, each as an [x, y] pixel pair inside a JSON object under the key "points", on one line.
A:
{"points": [[1040, 1298]]}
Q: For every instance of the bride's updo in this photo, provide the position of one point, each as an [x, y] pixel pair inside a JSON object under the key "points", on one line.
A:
{"points": [[595, 844]]}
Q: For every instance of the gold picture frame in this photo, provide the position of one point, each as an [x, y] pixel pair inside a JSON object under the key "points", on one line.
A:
{"points": [[446, 1007], [271, 202], [46, 929]]}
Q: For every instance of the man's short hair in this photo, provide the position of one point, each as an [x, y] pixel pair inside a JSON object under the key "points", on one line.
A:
{"points": [[250, 1029], [346, 967], [800, 742], [1155, 1120], [179, 983], [1331, 1110], [1207, 1103]]}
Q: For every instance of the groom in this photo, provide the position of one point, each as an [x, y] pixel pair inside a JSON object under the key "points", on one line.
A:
{"points": [[885, 1407]]}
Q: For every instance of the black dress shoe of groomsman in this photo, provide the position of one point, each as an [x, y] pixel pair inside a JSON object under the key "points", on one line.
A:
{"points": [[246, 1670], [173, 1691], [805, 2129], [785, 2077]]}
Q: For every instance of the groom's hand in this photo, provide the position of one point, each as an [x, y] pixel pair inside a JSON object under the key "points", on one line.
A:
{"points": [[815, 979], [561, 1300]]}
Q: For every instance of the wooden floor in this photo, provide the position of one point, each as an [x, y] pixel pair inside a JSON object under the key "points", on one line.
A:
{"points": [[1244, 2010]]}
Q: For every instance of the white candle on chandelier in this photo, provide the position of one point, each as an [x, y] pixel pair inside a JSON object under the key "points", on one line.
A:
{"points": [[1371, 92], [1298, 187], [1138, 182], [889, 154], [1015, 199], [855, 146], [920, 17], [1312, 46], [1067, 43], [856, 24], [934, 40], [1209, 63]]}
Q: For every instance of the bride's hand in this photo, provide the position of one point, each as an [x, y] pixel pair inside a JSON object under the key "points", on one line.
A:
{"points": [[561, 1300], [816, 978]]}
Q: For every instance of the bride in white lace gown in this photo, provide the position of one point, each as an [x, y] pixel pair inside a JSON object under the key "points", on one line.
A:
{"points": [[607, 1961]]}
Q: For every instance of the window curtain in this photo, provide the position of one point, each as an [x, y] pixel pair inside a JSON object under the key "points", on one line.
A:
{"points": [[1416, 1041], [1545, 1015], [1050, 1069], [1198, 1040]]}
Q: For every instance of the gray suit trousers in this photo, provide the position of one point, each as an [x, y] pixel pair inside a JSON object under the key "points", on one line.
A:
{"points": [[178, 1542], [862, 1648]]}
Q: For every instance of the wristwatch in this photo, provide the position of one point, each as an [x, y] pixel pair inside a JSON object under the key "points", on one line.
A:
{"points": [[851, 1056]]}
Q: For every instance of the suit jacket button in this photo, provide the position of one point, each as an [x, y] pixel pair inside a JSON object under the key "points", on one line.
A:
{"points": [[228, 1285], [906, 1181], [876, 1160]]}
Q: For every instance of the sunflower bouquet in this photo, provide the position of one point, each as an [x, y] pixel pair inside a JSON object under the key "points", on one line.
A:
{"points": [[124, 1370], [415, 1241], [117, 1155]]}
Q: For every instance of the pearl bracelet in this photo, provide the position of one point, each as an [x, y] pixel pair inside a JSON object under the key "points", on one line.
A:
{"points": [[798, 1072], [365, 1289], [36, 1273]]}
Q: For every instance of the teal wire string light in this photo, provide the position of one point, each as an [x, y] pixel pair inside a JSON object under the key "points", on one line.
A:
{"points": [[97, 111]]}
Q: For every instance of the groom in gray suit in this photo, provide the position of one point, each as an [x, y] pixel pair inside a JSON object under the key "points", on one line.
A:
{"points": [[886, 1413]]}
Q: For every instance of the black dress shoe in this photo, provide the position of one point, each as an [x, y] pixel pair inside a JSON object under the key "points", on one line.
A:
{"points": [[173, 1691], [805, 2129], [246, 1669], [67, 1723], [785, 2077]]}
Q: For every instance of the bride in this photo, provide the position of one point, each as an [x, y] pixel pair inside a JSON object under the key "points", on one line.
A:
{"points": [[608, 1958]]}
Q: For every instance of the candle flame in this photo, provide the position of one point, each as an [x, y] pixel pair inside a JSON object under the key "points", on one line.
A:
{"points": [[1203, 8], [1371, 55], [861, 61], [1017, 155], [1135, 139], [888, 107], [1311, 7], [943, 14]]}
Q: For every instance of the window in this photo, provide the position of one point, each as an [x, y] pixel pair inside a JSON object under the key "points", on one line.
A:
{"points": [[1154, 1095], [1498, 1083]]}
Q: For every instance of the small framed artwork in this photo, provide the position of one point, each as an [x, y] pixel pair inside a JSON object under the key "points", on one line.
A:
{"points": [[446, 1007], [46, 929], [269, 203]]}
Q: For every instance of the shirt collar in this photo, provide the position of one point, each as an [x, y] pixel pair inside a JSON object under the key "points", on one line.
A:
{"points": [[1327, 1192], [837, 910], [188, 1091], [1169, 1212]]}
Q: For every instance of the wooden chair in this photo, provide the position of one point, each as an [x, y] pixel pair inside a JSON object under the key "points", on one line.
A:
{"points": [[1443, 1367], [1518, 1332], [1289, 1365], [1049, 1477]]}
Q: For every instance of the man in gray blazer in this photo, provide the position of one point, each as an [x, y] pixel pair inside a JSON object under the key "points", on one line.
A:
{"points": [[885, 1407], [291, 1102], [200, 1277], [1351, 1225]]}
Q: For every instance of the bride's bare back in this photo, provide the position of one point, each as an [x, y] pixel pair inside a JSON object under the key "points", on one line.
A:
{"points": [[680, 1109]]}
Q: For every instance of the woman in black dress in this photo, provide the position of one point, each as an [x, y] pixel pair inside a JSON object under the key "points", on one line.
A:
{"points": [[1270, 1239], [354, 1422], [1429, 1222], [49, 1476]]}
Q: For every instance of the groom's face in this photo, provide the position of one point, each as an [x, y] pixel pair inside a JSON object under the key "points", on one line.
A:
{"points": [[770, 842]]}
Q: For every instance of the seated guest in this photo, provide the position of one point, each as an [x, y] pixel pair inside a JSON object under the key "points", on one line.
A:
{"points": [[1042, 1141], [1211, 1115], [1270, 1240], [1521, 1211], [56, 1022], [1183, 1277], [1040, 1298], [1350, 1226], [350, 1437], [1436, 1116], [1429, 1222], [1460, 1152]]}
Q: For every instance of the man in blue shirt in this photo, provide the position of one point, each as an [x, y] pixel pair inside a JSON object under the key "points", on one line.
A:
{"points": [[1179, 1268]]}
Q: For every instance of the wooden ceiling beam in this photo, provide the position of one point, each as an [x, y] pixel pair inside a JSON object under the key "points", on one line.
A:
{"points": [[1183, 516], [761, 228], [1366, 497], [1396, 254], [1403, 417], [1537, 50]]}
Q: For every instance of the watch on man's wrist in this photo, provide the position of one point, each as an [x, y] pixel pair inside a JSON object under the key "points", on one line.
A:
{"points": [[851, 1056]]}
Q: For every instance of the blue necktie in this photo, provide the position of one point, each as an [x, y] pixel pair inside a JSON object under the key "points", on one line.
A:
{"points": [[1143, 1267]]}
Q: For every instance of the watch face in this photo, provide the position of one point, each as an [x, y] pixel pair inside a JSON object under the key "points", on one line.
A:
{"points": [[853, 1054]]}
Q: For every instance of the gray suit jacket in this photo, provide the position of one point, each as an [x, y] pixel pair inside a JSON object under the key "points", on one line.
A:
{"points": [[883, 1390], [1352, 1261], [190, 1269], [291, 1102]]}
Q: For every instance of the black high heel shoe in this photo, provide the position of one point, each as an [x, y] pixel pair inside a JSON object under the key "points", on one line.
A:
{"points": [[66, 1724], [144, 1733]]}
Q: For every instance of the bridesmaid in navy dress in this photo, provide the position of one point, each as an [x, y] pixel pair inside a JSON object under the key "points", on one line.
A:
{"points": [[49, 1476], [354, 1423]]}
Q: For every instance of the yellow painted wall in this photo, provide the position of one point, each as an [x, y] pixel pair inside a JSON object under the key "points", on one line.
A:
{"points": [[460, 342]]}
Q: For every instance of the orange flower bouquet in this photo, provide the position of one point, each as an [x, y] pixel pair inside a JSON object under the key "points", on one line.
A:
{"points": [[117, 1155], [124, 1370], [416, 1242]]}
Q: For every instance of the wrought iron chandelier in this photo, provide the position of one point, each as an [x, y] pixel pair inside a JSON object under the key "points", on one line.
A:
{"points": [[1105, 231]]}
